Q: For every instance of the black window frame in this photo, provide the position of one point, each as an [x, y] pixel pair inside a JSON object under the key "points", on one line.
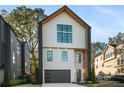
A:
{"points": [[64, 57], [64, 33], [50, 57]]}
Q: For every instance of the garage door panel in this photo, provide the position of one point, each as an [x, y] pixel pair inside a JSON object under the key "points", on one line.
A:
{"points": [[57, 76]]}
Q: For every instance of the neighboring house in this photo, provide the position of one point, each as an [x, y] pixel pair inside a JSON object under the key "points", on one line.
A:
{"points": [[111, 61], [26, 65], [64, 48], [1, 73], [15, 48], [99, 65], [10, 52], [120, 59]]}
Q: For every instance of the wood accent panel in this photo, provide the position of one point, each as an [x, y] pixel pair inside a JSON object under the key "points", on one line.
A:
{"points": [[85, 65]]}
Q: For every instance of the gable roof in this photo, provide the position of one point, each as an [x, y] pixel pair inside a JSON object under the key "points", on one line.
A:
{"points": [[113, 45], [69, 12], [10, 27], [105, 49]]}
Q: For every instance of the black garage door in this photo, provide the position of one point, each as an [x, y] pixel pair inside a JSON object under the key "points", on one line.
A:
{"points": [[57, 76]]}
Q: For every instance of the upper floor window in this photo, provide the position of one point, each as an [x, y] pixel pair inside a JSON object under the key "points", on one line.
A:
{"points": [[64, 33], [13, 58], [120, 61], [49, 55], [78, 57], [109, 55], [64, 56]]}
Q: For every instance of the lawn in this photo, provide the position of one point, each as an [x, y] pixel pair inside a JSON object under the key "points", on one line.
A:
{"points": [[106, 84]]}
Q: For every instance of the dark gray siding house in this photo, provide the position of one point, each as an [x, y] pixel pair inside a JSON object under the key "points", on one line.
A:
{"points": [[10, 50], [25, 58], [3, 44], [15, 47], [14, 55]]}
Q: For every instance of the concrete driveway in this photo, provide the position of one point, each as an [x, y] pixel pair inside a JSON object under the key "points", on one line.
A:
{"points": [[61, 85]]}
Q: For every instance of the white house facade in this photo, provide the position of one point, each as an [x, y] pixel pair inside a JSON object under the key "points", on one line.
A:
{"points": [[64, 48]]}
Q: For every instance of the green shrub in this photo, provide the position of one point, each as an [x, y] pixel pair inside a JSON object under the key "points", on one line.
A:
{"points": [[93, 78], [25, 79], [37, 75], [15, 82], [6, 78]]}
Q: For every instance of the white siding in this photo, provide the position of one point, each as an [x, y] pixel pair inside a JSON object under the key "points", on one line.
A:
{"points": [[57, 62], [50, 32]]}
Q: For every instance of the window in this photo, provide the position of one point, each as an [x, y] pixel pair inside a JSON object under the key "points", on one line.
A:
{"points": [[118, 70], [64, 56], [18, 49], [78, 57], [64, 33], [96, 66], [109, 55], [13, 58], [121, 59], [118, 61], [102, 65], [122, 70], [49, 55]]}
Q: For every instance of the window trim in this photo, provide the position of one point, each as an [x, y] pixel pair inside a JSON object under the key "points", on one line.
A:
{"points": [[51, 55], [64, 35], [65, 56], [79, 57]]}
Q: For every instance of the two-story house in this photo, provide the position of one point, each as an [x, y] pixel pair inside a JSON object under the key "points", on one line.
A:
{"points": [[64, 48], [110, 61]]}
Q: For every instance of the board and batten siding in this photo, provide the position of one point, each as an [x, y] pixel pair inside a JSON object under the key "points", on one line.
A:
{"points": [[49, 32], [15, 47], [1, 75]]}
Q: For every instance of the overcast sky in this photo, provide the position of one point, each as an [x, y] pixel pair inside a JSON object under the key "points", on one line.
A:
{"points": [[106, 21]]}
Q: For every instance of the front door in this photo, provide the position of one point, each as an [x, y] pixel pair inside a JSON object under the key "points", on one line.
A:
{"points": [[78, 74]]}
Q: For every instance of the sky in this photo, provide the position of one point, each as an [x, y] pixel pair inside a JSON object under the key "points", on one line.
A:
{"points": [[105, 21]]}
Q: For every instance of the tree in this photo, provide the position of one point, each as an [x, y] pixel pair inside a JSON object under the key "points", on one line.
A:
{"points": [[37, 75], [119, 38], [96, 47], [24, 21]]}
